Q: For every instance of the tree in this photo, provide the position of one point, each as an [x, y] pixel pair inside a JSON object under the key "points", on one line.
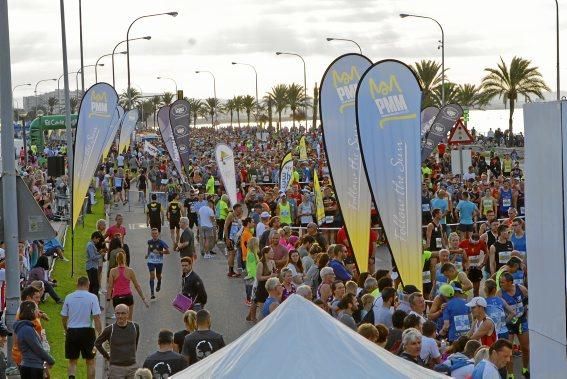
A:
{"points": [[238, 107], [315, 105], [130, 98], [279, 98], [295, 99], [268, 103], [248, 104], [147, 109], [451, 94], [429, 74], [230, 106], [51, 103], [212, 106], [156, 102], [73, 102], [195, 108], [167, 98], [508, 82], [470, 96]]}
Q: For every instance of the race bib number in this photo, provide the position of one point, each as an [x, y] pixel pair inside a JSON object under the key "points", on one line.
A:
{"points": [[504, 257], [519, 281], [462, 323], [426, 277], [164, 181], [439, 243], [519, 309], [522, 210], [507, 202], [425, 207], [474, 260], [266, 179], [329, 219]]}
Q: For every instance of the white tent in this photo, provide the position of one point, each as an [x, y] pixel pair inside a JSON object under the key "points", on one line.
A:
{"points": [[299, 340]]}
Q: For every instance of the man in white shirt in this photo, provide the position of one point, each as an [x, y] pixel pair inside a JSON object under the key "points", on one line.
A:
{"points": [[417, 305], [470, 174], [206, 228], [263, 224], [429, 349], [120, 160], [79, 311], [500, 354]]}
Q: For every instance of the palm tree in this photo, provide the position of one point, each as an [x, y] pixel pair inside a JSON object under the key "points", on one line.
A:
{"points": [[238, 107], [249, 104], [230, 106], [469, 96], [130, 98], [167, 98], [51, 103], [429, 74], [295, 99], [268, 103], [195, 108], [156, 102], [212, 106], [147, 109], [73, 102], [451, 94], [315, 105], [279, 97], [508, 82]]}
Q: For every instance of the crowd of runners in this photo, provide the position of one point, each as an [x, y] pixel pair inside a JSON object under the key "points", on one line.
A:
{"points": [[469, 318]]}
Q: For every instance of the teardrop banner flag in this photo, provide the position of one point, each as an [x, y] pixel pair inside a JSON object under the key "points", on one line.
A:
{"points": [[96, 112], [427, 117], [225, 162], [167, 136], [115, 126], [319, 206], [179, 117], [388, 104], [128, 126], [286, 171], [302, 149], [442, 124], [340, 137]]}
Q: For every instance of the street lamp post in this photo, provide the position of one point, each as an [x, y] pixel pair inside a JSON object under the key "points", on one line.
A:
{"points": [[557, 47], [348, 40], [304, 80], [172, 14], [256, 75], [19, 85], [96, 64], [35, 90], [77, 78], [404, 15], [114, 52], [173, 80], [58, 87], [214, 88]]}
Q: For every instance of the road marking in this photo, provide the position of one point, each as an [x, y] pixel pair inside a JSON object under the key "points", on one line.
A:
{"points": [[137, 226]]}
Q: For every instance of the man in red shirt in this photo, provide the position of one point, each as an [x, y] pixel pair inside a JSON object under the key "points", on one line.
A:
{"points": [[477, 252], [342, 239], [116, 229]]}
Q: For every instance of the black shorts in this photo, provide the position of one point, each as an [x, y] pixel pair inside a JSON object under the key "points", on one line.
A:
{"points": [[125, 299], [466, 228], [174, 224], [155, 226], [80, 342], [118, 189], [474, 274]]}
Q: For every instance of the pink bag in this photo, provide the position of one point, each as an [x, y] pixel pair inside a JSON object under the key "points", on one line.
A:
{"points": [[182, 303]]}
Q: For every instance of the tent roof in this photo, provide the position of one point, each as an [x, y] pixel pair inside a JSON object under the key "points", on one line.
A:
{"points": [[301, 340]]}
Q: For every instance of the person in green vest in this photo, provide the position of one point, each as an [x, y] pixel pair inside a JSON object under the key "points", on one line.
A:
{"points": [[283, 210], [210, 187], [63, 149], [221, 212], [294, 177], [34, 149]]}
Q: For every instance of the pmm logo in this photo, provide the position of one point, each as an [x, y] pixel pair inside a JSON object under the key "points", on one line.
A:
{"points": [[346, 90], [390, 100], [99, 104]]}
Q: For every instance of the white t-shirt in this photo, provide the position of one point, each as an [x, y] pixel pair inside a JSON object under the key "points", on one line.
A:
{"points": [[486, 370], [429, 348], [260, 229], [79, 306], [120, 160], [205, 214], [469, 175]]}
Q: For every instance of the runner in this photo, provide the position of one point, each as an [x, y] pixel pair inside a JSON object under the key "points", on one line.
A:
{"points": [[154, 214], [435, 236], [173, 216], [206, 229], [232, 225], [468, 213], [501, 251], [476, 251], [483, 328], [156, 249]]}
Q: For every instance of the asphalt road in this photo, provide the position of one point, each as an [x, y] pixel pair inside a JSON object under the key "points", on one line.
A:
{"points": [[225, 296]]}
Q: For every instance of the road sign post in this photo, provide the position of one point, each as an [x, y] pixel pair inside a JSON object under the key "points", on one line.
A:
{"points": [[460, 136]]}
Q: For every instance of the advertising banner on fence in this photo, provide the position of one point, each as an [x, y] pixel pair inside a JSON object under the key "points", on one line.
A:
{"points": [[225, 162], [115, 126], [442, 124], [388, 104], [150, 149], [286, 171], [167, 136], [340, 137], [319, 207], [179, 118], [95, 119], [128, 126], [302, 149], [427, 117]]}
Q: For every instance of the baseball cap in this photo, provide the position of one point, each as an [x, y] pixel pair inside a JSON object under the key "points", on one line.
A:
{"points": [[477, 301], [265, 215], [446, 290]]}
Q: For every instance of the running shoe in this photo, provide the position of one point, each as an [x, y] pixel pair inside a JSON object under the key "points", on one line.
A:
{"points": [[153, 297], [158, 287]]}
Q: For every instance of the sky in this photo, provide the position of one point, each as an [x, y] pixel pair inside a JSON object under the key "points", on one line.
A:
{"points": [[209, 35]]}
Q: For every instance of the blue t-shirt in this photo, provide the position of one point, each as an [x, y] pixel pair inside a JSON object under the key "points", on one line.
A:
{"points": [[155, 249], [485, 370], [466, 210], [266, 306], [519, 243], [495, 310], [457, 313], [443, 205]]}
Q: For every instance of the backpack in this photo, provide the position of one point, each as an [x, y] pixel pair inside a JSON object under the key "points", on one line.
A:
{"points": [[453, 364], [369, 317]]}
